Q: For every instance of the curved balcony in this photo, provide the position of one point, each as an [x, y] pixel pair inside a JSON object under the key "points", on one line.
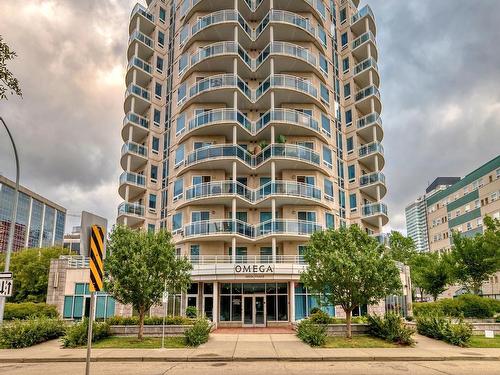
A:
{"points": [[140, 96], [146, 19], [138, 153], [358, 21], [373, 211], [365, 126], [144, 42], [136, 183], [144, 71], [364, 70], [369, 183], [139, 124], [216, 157], [367, 100], [364, 47], [286, 121], [133, 211], [222, 192], [371, 155], [225, 229]]}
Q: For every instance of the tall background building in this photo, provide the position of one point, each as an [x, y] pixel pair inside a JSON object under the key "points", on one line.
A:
{"points": [[250, 124], [39, 222]]}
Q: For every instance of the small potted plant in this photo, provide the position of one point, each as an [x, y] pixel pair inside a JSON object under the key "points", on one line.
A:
{"points": [[281, 139], [259, 147]]}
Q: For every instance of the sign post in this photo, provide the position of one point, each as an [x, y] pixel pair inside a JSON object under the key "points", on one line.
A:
{"points": [[6, 283], [165, 304], [96, 252]]}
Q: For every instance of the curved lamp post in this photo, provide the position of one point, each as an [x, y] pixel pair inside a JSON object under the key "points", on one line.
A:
{"points": [[13, 218]]}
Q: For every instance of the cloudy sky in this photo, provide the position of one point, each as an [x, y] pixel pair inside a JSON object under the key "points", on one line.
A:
{"points": [[439, 64]]}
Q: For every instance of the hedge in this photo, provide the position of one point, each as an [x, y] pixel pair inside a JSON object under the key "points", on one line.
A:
{"points": [[321, 317], [24, 333], [24, 310], [150, 320], [76, 334], [442, 328], [467, 306]]}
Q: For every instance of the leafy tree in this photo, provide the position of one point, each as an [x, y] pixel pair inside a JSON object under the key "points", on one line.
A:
{"points": [[431, 272], [476, 258], [402, 248], [7, 80], [30, 268], [140, 265], [347, 267]]}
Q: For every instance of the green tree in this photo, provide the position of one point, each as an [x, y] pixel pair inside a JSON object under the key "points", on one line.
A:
{"points": [[431, 273], [402, 248], [7, 80], [475, 259], [30, 268], [138, 267], [347, 267]]}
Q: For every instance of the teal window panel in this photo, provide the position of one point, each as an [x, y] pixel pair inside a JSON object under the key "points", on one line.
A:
{"points": [[77, 307], [87, 290], [100, 309], [110, 307], [68, 307], [452, 206], [80, 288], [471, 215]]}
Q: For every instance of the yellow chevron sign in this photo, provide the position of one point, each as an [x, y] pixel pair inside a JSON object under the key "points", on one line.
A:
{"points": [[96, 258]]}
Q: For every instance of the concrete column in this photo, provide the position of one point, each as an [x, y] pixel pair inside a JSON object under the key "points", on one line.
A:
{"points": [[273, 135], [273, 171], [233, 245], [215, 309], [374, 134], [292, 301], [367, 25], [235, 135], [274, 249], [369, 50], [370, 75]]}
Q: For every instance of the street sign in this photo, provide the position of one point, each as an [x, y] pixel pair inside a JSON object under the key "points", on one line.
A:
{"points": [[6, 283], [96, 258]]}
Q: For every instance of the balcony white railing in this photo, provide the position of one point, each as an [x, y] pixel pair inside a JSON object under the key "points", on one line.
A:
{"points": [[131, 209], [372, 148], [143, 38], [367, 92], [370, 119], [250, 259], [363, 12], [134, 118], [365, 65], [374, 209], [135, 148], [363, 38], [140, 63], [372, 178], [138, 91], [133, 178], [140, 9]]}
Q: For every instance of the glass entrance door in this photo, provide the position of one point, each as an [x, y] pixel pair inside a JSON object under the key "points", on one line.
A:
{"points": [[254, 311]]}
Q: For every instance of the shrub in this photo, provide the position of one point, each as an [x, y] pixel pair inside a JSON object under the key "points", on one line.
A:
{"points": [[76, 334], [426, 308], [442, 328], [320, 317], [391, 328], [198, 334], [314, 310], [191, 312], [409, 318], [24, 333], [25, 310], [311, 333], [466, 305], [149, 320]]}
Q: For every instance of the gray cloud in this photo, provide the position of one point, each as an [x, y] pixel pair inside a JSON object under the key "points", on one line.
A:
{"points": [[438, 61]]}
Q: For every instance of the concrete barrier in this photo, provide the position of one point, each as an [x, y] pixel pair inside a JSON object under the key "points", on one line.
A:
{"points": [[149, 330]]}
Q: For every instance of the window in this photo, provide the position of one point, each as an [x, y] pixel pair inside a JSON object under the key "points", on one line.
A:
{"points": [[181, 93], [180, 124], [155, 143], [157, 90], [327, 157], [156, 117], [328, 187], [178, 189], [309, 216], [323, 64], [177, 221], [154, 173], [159, 64], [345, 65], [352, 202], [325, 124], [200, 216], [325, 94], [162, 15], [183, 34], [151, 228], [351, 173], [344, 39], [195, 254], [329, 221], [152, 201], [347, 91], [308, 180], [322, 35], [350, 145], [343, 15], [183, 62], [161, 39], [348, 117], [179, 155]]}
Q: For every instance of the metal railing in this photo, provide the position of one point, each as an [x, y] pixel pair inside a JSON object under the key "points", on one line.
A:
{"points": [[364, 65], [139, 91], [365, 11], [372, 178], [372, 118], [368, 36], [371, 149], [366, 92], [140, 9], [134, 148], [133, 178], [136, 119], [135, 209], [136, 34], [251, 259], [139, 63], [75, 261], [374, 209]]}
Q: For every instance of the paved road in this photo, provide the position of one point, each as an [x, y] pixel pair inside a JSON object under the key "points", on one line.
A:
{"points": [[288, 368]]}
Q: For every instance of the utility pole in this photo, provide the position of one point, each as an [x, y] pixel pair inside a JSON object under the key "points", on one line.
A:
{"points": [[13, 218]]}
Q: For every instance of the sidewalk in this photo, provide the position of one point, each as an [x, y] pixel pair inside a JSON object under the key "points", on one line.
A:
{"points": [[251, 347]]}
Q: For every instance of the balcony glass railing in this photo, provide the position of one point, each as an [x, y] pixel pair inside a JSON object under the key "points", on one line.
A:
{"points": [[132, 178], [286, 81], [368, 36], [140, 9], [252, 259], [371, 149], [287, 152], [135, 148], [364, 65], [374, 209], [136, 34], [219, 151], [134, 209], [287, 116], [220, 81], [365, 93], [136, 119], [372, 178], [139, 63], [139, 91], [272, 188], [214, 18], [365, 11], [282, 226], [372, 118]]}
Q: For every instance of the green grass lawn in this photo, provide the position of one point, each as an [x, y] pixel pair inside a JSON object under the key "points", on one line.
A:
{"points": [[483, 342], [361, 341], [122, 342]]}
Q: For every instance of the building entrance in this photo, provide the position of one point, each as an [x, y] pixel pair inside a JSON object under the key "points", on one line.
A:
{"points": [[254, 311]]}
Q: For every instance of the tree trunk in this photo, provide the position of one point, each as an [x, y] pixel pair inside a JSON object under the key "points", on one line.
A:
{"points": [[434, 297], [421, 295], [141, 323], [348, 333]]}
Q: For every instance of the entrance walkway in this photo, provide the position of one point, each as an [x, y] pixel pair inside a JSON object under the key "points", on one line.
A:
{"points": [[244, 331]]}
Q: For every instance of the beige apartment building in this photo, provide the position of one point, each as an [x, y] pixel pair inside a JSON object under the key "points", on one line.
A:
{"points": [[249, 125], [462, 207]]}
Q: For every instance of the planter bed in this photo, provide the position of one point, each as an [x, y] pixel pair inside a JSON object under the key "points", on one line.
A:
{"points": [[149, 330], [340, 329], [478, 328]]}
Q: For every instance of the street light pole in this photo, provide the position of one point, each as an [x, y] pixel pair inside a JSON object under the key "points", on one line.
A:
{"points": [[13, 218]]}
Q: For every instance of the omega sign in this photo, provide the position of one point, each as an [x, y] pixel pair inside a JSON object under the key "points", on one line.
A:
{"points": [[254, 268]]}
